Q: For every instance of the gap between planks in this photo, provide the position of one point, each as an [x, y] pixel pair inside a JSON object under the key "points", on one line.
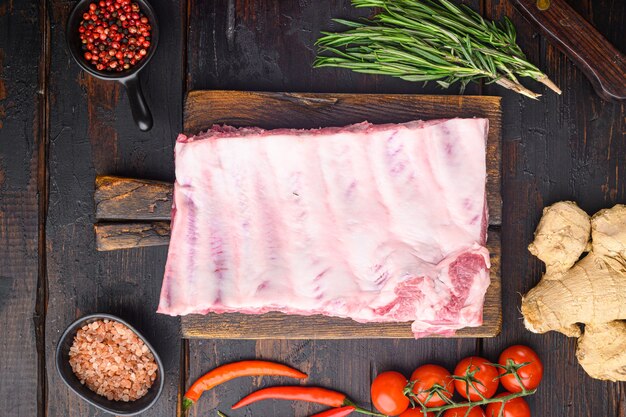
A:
{"points": [[42, 138]]}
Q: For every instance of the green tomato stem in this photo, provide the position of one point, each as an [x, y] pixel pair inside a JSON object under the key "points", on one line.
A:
{"points": [[484, 401], [187, 404]]}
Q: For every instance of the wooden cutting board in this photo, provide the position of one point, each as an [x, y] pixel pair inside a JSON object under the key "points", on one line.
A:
{"points": [[135, 213]]}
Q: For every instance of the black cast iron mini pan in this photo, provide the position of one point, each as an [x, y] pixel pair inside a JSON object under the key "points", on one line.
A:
{"points": [[130, 77]]}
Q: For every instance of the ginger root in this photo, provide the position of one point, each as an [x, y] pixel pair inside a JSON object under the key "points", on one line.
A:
{"points": [[590, 291]]}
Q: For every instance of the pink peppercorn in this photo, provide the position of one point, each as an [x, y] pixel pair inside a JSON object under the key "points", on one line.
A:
{"points": [[115, 34]]}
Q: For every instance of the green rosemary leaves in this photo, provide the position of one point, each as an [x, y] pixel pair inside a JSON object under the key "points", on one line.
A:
{"points": [[430, 40]]}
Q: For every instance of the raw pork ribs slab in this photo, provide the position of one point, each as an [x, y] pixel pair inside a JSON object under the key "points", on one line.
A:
{"points": [[377, 223]]}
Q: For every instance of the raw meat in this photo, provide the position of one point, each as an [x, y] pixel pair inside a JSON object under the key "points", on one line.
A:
{"points": [[377, 223]]}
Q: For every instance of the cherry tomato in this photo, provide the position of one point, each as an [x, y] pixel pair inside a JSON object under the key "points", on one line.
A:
{"points": [[428, 376], [517, 407], [485, 374], [416, 412], [388, 393], [460, 412], [530, 374]]}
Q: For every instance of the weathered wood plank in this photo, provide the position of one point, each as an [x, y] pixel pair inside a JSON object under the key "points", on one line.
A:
{"points": [[118, 198], [115, 236], [269, 45], [345, 365], [92, 133], [19, 208], [272, 110]]}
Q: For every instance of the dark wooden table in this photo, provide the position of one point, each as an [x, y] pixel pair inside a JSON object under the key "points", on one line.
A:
{"points": [[59, 128]]}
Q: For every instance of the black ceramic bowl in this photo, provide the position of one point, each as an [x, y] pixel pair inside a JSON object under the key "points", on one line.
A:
{"points": [[119, 408], [130, 77]]}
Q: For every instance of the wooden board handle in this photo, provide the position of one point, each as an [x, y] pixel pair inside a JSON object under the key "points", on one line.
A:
{"points": [[128, 235], [118, 198], [132, 212], [600, 61]]}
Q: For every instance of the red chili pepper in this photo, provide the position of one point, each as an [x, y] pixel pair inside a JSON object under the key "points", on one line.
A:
{"points": [[333, 412], [336, 412], [309, 394], [234, 370]]}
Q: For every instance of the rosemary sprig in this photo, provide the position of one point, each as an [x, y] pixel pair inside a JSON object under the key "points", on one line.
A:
{"points": [[430, 40]]}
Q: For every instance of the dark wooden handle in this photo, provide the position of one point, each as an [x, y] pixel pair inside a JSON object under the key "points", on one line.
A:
{"points": [[601, 62]]}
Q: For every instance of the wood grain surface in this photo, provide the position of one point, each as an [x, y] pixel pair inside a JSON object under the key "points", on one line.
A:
{"points": [[118, 198], [569, 147], [20, 383], [561, 147], [92, 133], [128, 235], [266, 45]]}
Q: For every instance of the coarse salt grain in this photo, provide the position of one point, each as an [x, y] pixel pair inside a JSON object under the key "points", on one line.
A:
{"points": [[106, 356]]}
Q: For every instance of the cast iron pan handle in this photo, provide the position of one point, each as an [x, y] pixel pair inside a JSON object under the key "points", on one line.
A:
{"points": [[601, 62], [138, 105]]}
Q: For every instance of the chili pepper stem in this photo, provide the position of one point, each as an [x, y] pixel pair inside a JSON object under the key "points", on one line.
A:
{"points": [[367, 412], [358, 409], [187, 404]]}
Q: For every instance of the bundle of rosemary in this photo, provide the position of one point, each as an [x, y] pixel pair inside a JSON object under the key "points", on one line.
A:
{"points": [[430, 40]]}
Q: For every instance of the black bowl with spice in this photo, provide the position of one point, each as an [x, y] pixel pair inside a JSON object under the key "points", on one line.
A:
{"points": [[110, 365], [115, 40]]}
